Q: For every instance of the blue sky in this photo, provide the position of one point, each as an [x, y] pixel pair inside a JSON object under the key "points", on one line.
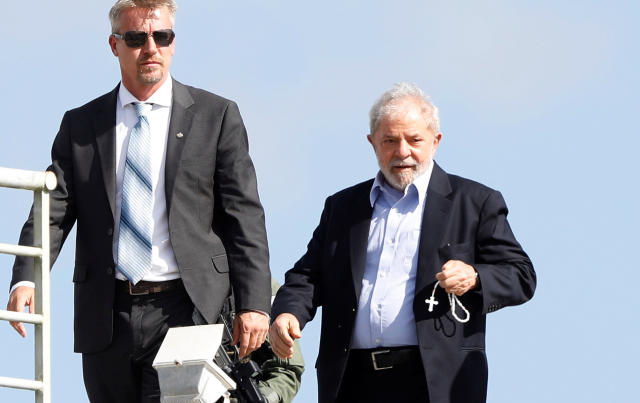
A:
{"points": [[537, 99]]}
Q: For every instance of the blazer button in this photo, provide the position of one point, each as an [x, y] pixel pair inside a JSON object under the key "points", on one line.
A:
{"points": [[339, 326], [109, 270], [110, 232]]}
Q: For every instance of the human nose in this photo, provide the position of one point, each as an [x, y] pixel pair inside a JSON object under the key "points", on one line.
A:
{"points": [[402, 150], [150, 45]]}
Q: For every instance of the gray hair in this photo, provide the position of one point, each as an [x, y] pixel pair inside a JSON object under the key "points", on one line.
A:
{"points": [[121, 5], [385, 105]]}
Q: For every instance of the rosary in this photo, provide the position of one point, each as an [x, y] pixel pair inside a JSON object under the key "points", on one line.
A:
{"points": [[453, 300]]}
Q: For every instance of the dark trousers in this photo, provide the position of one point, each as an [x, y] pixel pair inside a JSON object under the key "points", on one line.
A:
{"points": [[405, 382], [123, 373]]}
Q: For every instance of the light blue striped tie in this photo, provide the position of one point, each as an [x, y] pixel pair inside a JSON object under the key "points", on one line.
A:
{"points": [[136, 225]]}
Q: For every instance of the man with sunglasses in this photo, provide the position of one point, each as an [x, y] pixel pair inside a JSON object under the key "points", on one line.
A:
{"points": [[158, 177]]}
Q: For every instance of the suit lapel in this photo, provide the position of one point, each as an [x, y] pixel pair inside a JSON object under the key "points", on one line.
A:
{"points": [[104, 127], [434, 219], [181, 119], [361, 211]]}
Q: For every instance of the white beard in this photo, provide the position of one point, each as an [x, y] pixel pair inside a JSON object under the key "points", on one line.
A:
{"points": [[402, 180]]}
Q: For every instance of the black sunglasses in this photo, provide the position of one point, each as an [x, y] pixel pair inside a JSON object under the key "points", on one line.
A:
{"points": [[137, 39]]}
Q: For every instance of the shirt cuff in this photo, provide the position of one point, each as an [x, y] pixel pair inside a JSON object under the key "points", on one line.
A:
{"points": [[21, 284]]}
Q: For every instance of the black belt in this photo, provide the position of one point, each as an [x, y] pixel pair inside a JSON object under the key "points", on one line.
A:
{"points": [[385, 357], [148, 287]]}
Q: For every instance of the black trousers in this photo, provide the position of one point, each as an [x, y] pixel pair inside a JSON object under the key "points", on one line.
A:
{"points": [[123, 373], [403, 383]]}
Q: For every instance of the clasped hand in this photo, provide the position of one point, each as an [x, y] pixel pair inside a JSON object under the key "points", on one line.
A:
{"points": [[282, 334], [457, 277]]}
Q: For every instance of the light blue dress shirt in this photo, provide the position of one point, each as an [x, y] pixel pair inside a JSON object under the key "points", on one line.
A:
{"points": [[385, 310]]}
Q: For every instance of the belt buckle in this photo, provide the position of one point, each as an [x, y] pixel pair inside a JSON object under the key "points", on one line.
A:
{"points": [[375, 363], [131, 292]]}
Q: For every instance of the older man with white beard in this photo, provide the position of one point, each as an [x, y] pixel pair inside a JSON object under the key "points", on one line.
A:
{"points": [[405, 266]]}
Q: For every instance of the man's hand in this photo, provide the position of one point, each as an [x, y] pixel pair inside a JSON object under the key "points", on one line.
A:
{"points": [[19, 298], [457, 277], [282, 333], [249, 331]]}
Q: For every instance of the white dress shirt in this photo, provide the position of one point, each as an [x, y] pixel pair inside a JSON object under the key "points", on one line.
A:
{"points": [[163, 261], [385, 309]]}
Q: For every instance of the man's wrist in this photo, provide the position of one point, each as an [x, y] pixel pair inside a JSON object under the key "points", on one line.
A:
{"points": [[476, 279], [255, 310], [22, 284]]}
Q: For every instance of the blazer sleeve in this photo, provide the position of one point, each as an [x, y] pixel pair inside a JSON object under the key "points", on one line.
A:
{"points": [[505, 271], [300, 294], [240, 216], [62, 214]]}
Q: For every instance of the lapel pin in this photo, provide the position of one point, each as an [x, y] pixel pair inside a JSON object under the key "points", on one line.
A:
{"points": [[179, 135]]}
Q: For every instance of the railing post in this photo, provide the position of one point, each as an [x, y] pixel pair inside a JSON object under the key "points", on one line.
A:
{"points": [[40, 183], [42, 267]]}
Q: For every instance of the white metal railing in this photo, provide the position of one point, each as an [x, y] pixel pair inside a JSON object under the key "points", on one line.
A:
{"points": [[40, 183]]}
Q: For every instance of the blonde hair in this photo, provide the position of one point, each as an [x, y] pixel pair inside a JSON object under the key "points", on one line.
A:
{"points": [[121, 5]]}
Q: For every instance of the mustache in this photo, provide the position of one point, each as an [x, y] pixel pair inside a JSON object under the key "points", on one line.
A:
{"points": [[153, 58], [409, 161]]}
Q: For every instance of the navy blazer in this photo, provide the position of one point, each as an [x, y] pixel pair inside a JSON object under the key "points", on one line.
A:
{"points": [[216, 221], [463, 220]]}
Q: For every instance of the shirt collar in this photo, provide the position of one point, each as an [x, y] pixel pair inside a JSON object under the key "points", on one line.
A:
{"points": [[419, 185], [162, 96]]}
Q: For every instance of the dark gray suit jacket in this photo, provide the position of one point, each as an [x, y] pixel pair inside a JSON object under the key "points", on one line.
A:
{"points": [[216, 221], [462, 220]]}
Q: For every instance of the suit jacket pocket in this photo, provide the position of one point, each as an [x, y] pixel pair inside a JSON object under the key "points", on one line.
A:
{"points": [[457, 251], [80, 273], [220, 263], [472, 348]]}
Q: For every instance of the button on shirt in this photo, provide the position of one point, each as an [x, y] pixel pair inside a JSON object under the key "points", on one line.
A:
{"points": [[385, 310], [163, 262]]}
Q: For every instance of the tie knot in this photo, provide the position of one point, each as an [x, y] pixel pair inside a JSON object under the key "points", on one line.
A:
{"points": [[142, 108]]}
